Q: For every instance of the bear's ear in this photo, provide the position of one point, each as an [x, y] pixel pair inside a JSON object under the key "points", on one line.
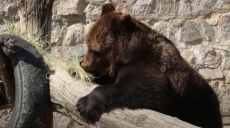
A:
{"points": [[108, 8], [127, 22]]}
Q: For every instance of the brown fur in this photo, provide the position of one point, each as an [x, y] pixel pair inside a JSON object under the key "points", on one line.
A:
{"points": [[145, 70]]}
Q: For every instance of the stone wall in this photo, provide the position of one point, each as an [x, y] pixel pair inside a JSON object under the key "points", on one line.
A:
{"points": [[199, 28]]}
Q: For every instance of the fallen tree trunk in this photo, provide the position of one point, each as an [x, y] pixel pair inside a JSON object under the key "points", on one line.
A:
{"points": [[65, 91]]}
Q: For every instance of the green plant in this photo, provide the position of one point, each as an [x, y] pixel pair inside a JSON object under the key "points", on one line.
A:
{"points": [[72, 66]]}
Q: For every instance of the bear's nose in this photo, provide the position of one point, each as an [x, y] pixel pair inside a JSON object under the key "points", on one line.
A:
{"points": [[83, 64]]}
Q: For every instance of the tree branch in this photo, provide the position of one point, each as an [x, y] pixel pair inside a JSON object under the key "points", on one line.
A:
{"points": [[65, 91]]}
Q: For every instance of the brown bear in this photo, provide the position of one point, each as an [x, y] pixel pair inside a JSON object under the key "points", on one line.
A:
{"points": [[146, 71]]}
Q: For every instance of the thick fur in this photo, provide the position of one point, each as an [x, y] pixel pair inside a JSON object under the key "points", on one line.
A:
{"points": [[147, 71]]}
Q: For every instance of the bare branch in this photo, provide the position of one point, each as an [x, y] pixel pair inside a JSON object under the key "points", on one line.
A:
{"points": [[65, 91]]}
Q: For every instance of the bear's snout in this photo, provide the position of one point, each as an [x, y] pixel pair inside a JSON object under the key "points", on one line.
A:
{"points": [[84, 64]]}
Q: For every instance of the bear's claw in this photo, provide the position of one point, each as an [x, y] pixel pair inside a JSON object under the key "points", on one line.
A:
{"points": [[89, 109]]}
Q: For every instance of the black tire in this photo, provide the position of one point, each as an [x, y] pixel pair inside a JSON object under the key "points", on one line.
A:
{"points": [[31, 83]]}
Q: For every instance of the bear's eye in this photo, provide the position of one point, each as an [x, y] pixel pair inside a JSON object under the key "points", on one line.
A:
{"points": [[97, 36], [100, 31]]}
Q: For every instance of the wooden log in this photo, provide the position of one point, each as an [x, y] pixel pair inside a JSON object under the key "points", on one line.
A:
{"points": [[65, 91]]}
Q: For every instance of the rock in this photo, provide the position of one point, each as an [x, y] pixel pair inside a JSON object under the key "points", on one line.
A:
{"points": [[202, 7], [184, 8], [144, 7], [87, 27], [56, 36], [76, 51], [227, 79], [173, 32], [12, 11], [3, 28], [188, 56], [220, 5], [206, 56], [211, 73], [93, 11], [224, 27], [124, 7], [226, 121], [223, 46], [167, 7], [161, 27], [224, 98], [226, 101], [207, 31], [191, 32], [74, 35], [121, 1], [97, 1], [212, 60], [215, 85], [213, 20], [71, 7], [225, 65]]}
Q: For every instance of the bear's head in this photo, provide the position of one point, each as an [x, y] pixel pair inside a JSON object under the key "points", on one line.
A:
{"points": [[112, 42]]}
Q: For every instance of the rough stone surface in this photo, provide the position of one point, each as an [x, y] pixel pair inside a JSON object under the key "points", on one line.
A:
{"points": [[92, 11], [76, 51], [224, 27], [87, 28], [144, 7], [221, 5], [188, 55], [214, 18], [226, 63], [207, 31], [167, 7], [74, 35], [227, 74], [56, 39], [211, 73], [195, 31], [161, 27], [191, 32], [226, 102], [8, 9], [206, 56], [71, 7], [174, 31], [12, 11], [185, 9], [203, 6]]}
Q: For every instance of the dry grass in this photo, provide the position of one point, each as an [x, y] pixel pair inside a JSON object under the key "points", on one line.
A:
{"points": [[72, 66]]}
